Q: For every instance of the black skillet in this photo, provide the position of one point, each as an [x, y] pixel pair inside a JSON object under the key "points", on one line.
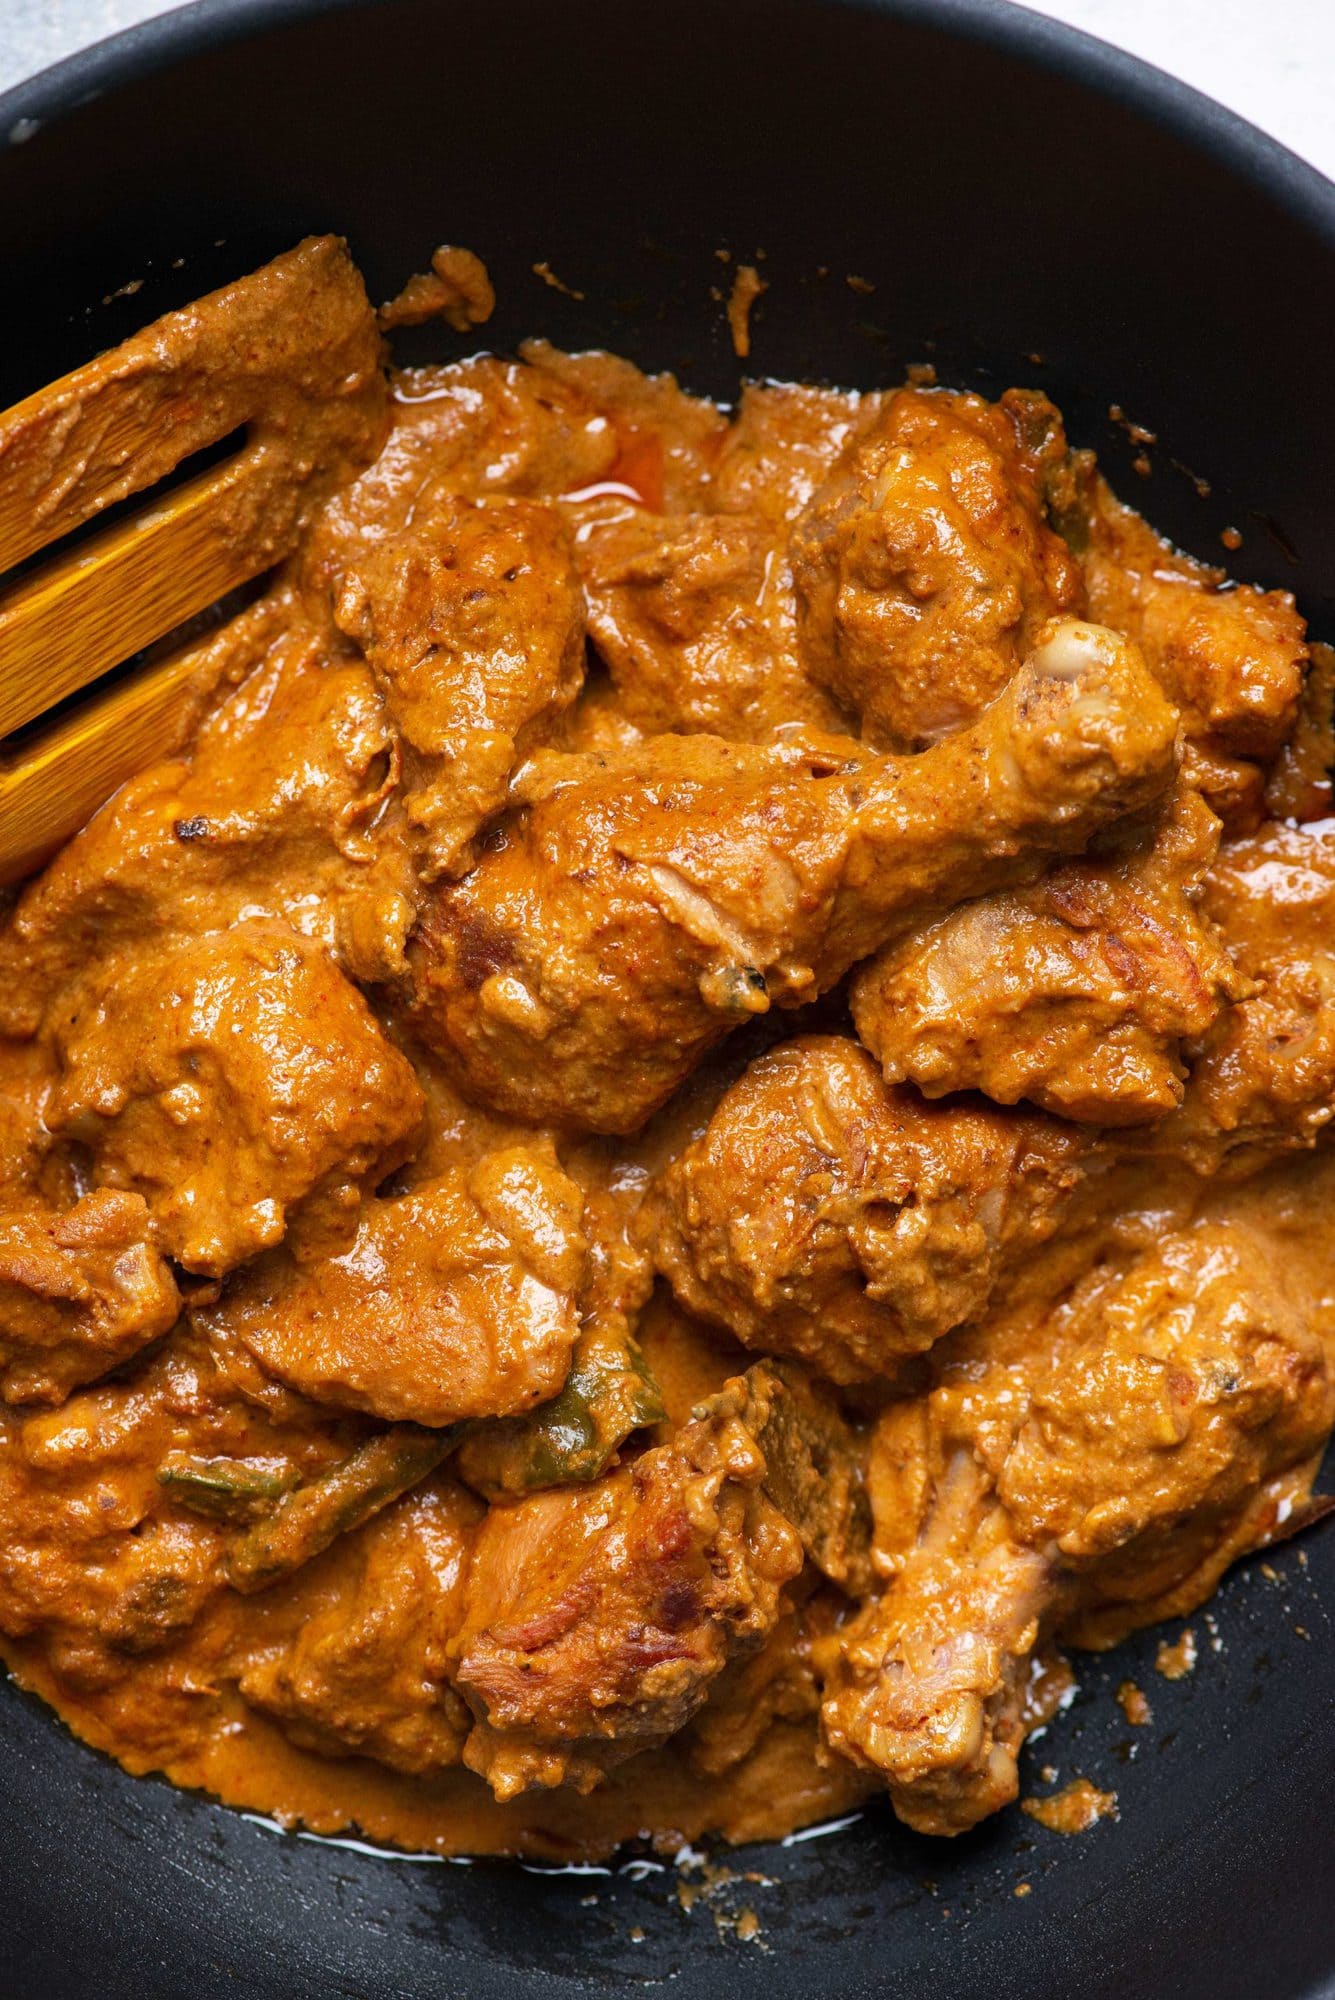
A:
{"points": [[1029, 206]]}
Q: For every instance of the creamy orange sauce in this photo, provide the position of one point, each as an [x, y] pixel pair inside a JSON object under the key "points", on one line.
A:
{"points": [[1131, 1700], [246, 1762], [1176, 1660], [1074, 1809], [688, 1136]]}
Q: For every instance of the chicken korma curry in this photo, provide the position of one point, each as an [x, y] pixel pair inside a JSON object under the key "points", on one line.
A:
{"points": [[685, 1138]]}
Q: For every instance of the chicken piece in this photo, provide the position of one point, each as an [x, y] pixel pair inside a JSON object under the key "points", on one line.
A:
{"points": [[609, 1392], [1151, 1429], [1263, 1081], [824, 1215], [476, 428], [277, 813], [1302, 783], [695, 615], [83, 1285], [91, 1560], [810, 1127], [1234, 789], [596, 1618], [924, 567], [98, 1560], [457, 1300], [1182, 1387], [29, 1161], [1261, 1067], [472, 622], [695, 619], [665, 442], [80, 1292], [780, 1683], [353, 1659], [625, 917], [815, 1472], [1077, 993], [1230, 656], [783, 443], [929, 1687], [548, 426], [815, 1453], [230, 1081]]}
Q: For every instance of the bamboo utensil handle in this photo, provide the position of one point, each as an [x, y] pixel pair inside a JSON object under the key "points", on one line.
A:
{"points": [[290, 359]]}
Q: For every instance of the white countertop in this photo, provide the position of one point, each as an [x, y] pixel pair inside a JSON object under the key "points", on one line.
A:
{"points": [[1272, 60]]}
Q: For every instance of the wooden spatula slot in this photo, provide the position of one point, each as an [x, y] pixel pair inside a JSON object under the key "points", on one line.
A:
{"points": [[86, 612], [290, 351], [291, 354], [75, 766], [72, 765]]}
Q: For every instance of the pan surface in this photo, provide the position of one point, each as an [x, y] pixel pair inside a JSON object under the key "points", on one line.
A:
{"points": [[1029, 206]]}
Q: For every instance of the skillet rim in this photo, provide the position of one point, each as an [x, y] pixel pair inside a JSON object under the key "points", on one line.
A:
{"points": [[1270, 166], [1293, 185]]}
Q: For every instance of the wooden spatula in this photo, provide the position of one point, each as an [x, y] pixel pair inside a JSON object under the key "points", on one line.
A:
{"points": [[290, 355]]}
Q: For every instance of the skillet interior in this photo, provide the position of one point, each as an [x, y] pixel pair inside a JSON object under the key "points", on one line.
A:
{"points": [[1010, 190]]}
